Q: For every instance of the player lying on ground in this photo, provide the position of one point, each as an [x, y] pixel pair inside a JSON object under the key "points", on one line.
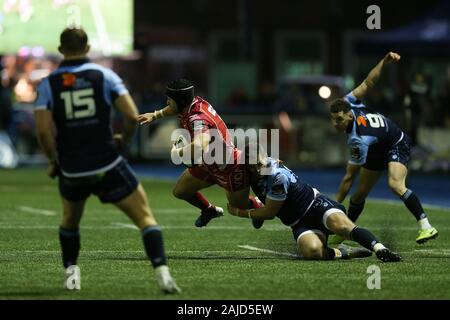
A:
{"points": [[198, 117], [311, 215], [376, 143], [76, 100]]}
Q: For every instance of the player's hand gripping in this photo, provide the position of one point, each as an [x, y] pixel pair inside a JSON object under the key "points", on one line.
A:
{"points": [[146, 118], [391, 57]]}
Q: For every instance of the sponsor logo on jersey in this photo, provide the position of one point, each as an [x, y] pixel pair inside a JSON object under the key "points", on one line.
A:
{"points": [[361, 121], [69, 79]]}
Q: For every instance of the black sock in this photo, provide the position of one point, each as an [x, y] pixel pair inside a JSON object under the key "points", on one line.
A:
{"points": [[154, 246], [355, 209], [413, 204], [331, 253], [364, 237], [70, 245]]}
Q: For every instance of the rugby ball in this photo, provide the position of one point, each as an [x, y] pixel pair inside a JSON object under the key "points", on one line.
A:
{"points": [[180, 143]]}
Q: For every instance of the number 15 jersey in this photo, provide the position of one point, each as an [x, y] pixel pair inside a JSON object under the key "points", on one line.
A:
{"points": [[80, 94], [371, 134]]}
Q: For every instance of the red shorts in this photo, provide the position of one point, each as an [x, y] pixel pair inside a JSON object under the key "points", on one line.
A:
{"points": [[233, 178]]}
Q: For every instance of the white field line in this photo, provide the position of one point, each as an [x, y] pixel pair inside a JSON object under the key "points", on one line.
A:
{"points": [[247, 247], [171, 227], [37, 211], [441, 252], [125, 225], [124, 251], [192, 211], [400, 203], [119, 225]]}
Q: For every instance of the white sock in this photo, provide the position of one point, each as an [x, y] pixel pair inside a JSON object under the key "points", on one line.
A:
{"points": [[378, 247], [337, 253], [424, 224]]}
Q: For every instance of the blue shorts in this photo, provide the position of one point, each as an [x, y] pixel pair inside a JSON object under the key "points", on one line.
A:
{"points": [[110, 186], [378, 159], [314, 219]]}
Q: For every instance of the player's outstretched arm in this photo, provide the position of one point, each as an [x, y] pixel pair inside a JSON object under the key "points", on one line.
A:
{"points": [[147, 118], [373, 76], [347, 181], [269, 211]]}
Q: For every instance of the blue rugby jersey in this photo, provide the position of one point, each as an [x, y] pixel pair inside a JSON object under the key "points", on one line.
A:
{"points": [[370, 132], [283, 185], [80, 95]]}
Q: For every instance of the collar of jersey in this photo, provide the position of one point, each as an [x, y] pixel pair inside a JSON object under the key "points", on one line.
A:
{"points": [[74, 62]]}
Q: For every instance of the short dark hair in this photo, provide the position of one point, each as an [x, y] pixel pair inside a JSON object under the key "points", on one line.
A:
{"points": [[182, 91], [73, 40], [339, 105]]}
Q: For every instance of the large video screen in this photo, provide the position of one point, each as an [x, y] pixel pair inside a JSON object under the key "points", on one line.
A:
{"points": [[33, 26]]}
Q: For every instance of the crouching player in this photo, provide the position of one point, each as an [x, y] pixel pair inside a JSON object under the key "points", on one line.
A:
{"points": [[311, 215]]}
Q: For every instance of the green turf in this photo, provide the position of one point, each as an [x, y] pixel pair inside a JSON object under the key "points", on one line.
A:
{"points": [[207, 263], [48, 20]]}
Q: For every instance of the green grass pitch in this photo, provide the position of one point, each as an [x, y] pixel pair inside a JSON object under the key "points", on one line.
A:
{"points": [[105, 21], [208, 263]]}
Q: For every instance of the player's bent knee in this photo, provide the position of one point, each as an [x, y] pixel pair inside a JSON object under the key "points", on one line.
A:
{"points": [[310, 244], [179, 193]]}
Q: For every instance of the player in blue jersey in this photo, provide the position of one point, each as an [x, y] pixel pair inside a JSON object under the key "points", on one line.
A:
{"points": [[376, 143], [72, 114], [311, 215]]}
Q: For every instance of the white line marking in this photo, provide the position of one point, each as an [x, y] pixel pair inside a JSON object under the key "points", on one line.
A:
{"points": [[445, 252], [37, 211], [118, 226], [247, 247], [125, 225], [399, 203], [123, 251], [193, 212]]}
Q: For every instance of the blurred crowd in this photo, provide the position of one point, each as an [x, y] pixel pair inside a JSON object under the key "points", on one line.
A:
{"points": [[414, 102]]}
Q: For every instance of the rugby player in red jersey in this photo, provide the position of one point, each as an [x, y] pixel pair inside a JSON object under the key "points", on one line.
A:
{"points": [[205, 126]]}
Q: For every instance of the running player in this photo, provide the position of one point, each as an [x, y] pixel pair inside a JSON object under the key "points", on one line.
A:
{"points": [[200, 119], [72, 115], [376, 143]]}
